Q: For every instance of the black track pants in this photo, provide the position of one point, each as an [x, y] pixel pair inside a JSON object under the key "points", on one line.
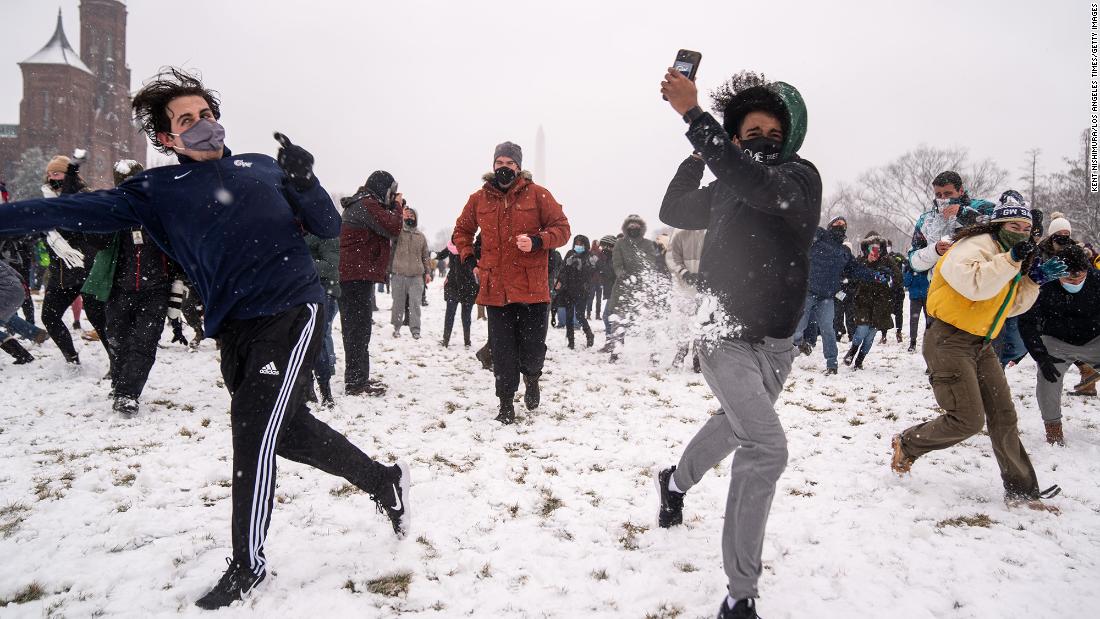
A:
{"points": [[135, 321], [266, 364]]}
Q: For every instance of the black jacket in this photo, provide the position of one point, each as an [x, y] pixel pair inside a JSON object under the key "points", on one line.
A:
{"points": [[575, 277], [1072, 318], [141, 266], [760, 223], [461, 286]]}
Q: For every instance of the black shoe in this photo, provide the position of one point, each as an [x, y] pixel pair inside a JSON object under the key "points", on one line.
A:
{"points": [[531, 395], [695, 367], [614, 358], [326, 393], [805, 348], [589, 339], [485, 357], [125, 406], [859, 361], [829, 371], [672, 503], [507, 415], [394, 497], [372, 389], [608, 347], [235, 584], [16, 350], [743, 609], [851, 355]]}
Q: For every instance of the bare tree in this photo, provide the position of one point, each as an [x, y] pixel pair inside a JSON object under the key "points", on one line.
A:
{"points": [[1070, 193], [27, 174], [901, 190]]}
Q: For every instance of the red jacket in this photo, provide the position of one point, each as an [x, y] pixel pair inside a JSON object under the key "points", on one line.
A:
{"points": [[365, 239], [508, 275]]}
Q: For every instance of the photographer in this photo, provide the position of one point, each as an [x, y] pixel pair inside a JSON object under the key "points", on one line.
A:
{"points": [[371, 220], [760, 216]]}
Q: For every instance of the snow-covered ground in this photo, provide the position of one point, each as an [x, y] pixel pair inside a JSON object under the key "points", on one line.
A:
{"points": [[553, 517]]}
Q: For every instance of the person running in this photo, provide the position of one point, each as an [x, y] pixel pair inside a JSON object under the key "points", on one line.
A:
{"points": [[978, 283], [234, 224]]}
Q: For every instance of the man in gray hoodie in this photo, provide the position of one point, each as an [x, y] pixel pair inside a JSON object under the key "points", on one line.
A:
{"points": [[411, 270]]}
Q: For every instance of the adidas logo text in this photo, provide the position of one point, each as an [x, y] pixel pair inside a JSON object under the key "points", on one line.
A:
{"points": [[270, 369]]}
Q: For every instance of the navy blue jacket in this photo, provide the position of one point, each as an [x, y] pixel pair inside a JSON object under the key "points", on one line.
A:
{"points": [[234, 225], [830, 263]]}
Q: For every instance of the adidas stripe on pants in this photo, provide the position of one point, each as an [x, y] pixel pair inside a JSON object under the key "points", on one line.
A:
{"points": [[266, 365]]}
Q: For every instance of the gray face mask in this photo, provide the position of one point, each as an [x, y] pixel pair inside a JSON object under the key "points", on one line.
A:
{"points": [[205, 135]]}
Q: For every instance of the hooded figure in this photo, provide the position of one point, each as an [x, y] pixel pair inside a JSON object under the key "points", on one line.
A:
{"points": [[634, 260]]}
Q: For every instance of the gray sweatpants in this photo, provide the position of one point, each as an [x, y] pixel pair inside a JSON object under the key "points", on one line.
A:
{"points": [[1049, 394], [412, 288], [746, 379]]}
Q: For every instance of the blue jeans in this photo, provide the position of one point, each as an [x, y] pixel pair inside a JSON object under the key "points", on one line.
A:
{"points": [[326, 358], [821, 310], [20, 327], [864, 339], [1011, 341]]}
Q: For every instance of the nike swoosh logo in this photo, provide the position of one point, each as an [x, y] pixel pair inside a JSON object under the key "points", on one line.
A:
{"points": [[183, 175], [397, 493]]}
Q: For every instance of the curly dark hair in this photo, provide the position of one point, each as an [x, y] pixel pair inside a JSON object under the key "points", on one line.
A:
{"points": [[150, 104], [721, 96]]}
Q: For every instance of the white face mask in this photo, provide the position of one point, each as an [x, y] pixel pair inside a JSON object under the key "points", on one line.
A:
{"points": [[1074, 288]]}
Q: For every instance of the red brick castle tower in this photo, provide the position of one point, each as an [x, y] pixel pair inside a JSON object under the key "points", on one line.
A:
{"points": [[78, 101]]}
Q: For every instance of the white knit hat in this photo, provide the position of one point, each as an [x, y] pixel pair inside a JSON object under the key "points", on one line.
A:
{"points": [[1060, 224]]}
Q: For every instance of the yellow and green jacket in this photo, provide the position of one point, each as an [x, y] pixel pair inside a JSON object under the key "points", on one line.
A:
{"points": [[977, 285]]}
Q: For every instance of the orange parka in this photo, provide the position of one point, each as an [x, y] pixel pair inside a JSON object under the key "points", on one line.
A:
{"points": [[506, 274]]}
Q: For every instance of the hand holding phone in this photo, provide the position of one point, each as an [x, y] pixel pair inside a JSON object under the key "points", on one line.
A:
{"points": [[679, 91], [687, 63]]}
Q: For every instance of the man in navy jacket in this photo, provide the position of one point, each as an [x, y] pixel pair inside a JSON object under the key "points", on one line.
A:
{"points": [[234, 224]]}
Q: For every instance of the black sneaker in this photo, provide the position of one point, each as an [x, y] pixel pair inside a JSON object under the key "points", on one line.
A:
{"points": [[236, 584], [912, 347], [127, 407], [507, 415], [531, 395], [829, 371], [805, 348], [394, 496], [743, 609], [672, 503]]}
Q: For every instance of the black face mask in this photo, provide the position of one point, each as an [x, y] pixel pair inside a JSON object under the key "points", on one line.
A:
{"points": [[55, 184], [410, 223], [634, 232], [838, 233], [504, 176], [764, 150]]}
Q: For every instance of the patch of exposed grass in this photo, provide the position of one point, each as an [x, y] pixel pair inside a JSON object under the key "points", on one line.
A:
{"points": [[975, 520], [186, 432], [30, 593], [599, 574], [797, 492], [629, 539], [391, 585], [486, 571], [855, 421], [686, 568], [665, 611], [344, 490], [205, 422], [549, 503]]}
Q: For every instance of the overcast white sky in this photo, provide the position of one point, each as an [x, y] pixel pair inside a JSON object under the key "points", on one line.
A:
{"points": [[426, 89]]}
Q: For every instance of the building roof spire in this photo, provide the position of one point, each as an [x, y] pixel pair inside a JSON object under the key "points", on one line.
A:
{"points": [[58, 51]]}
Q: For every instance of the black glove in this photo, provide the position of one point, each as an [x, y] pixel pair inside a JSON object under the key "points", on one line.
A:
{"points": [[690, 278], [1046, 366], [470, 262], [964, 201], [296, 162], [1036, 224], [1020, 251], [177, 332]]}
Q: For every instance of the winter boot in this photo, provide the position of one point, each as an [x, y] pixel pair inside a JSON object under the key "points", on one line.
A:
{"points": [[851, 355], [125, 406], [569, 339], [507, 415], [1054, 433], [830, 371], [900, 463], [883, 340], [531, 396], [394, 496], [695, 367], [326, 393], [743, 609], [898, 333], [237, 582], [589, 338], [805, 348], [859, 361], [608, 347], [1089, 376], [40, 336], [485, 356], [446, 338], [311, 394], [912, 345], [16, 350], [672, 502]]}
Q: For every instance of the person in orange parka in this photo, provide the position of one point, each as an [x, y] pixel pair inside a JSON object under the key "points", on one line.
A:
{"points": [[520, 223]]}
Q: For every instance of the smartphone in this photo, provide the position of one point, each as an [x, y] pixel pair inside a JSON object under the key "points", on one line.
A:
{"points": [[687, 62]]}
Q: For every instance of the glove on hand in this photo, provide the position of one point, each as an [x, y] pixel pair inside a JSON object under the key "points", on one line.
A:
{"points": [[79, 157], [1020, 251], [296, 162], [1053, 269], [1046, 366], [69, 255], [691, 279]]}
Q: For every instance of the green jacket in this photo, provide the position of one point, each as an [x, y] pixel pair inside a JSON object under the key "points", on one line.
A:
{"points": [[326, 259], [635, 262]]}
